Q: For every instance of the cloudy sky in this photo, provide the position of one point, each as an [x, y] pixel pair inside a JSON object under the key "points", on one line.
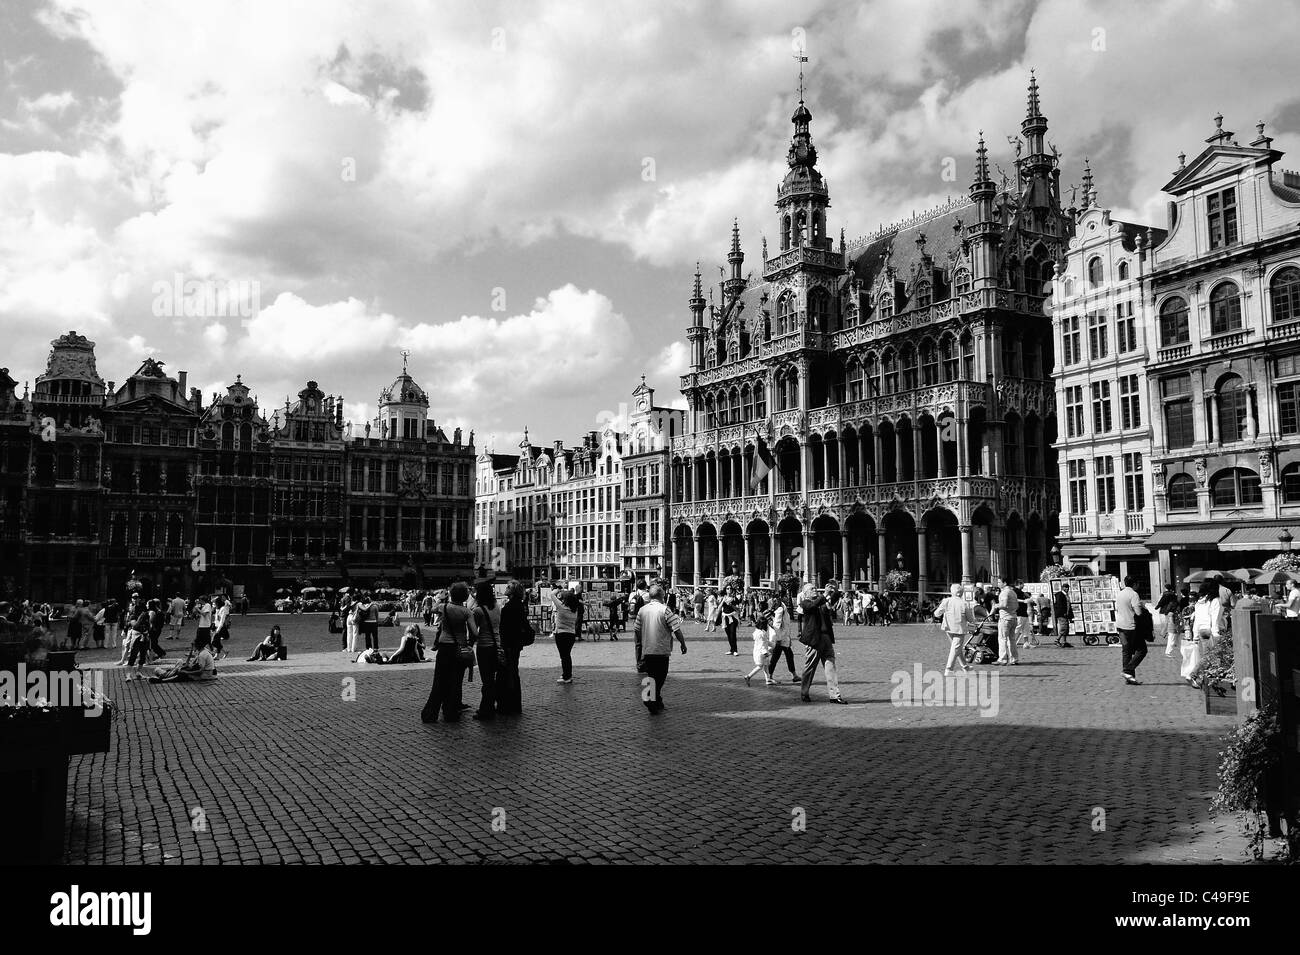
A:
{"points": [[517, 193]]}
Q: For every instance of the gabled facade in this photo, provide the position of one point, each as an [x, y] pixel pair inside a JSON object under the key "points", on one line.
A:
{"points": [[149, 464], [1104, 340], [1224, 381], [651, 429]]}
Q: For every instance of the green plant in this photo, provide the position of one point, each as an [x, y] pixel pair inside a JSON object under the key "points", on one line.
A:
{"points": [[1054, 572], [1283, 562], [1216, 666], [1250, 752], [788, 584]]}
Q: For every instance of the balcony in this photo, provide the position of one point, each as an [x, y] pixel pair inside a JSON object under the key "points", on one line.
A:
{"points": [[805, 254], [138, 552], [1174, 353], [1227, 339], [1135, 522], [1288, 330], [1078, 524]]}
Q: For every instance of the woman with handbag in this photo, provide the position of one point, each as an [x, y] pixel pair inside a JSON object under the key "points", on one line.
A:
{"points": [[457, 634], [516, 633], [730, 608], [491, 651]]}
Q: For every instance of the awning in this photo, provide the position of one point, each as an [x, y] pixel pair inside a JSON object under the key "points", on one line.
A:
{"points": [[1104, 548], [1257, 537], [1193, 536]]}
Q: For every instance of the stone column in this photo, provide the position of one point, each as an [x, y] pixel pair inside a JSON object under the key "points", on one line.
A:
{"points": [[967, 554], [1214, 417], [862, 460], [775, 567], [805, 469], [695, 557], [922, 565], [963, 440], [744, 540], [808, 556], [722, 567], [878, 467], [846, 572], [826, 463], [898, 454], [882, 556], [940, 469]]}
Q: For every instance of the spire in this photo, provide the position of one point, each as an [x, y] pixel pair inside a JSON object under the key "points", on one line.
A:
{"points": [[1034, 110], [736, 283], [1089, 196], [735, 241], [981, 164], [697, 294]]}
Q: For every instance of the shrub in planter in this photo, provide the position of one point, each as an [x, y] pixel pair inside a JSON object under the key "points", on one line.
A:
{"points": [[1054, 572], [897, 580], [1216, 668], [1250, 752]]}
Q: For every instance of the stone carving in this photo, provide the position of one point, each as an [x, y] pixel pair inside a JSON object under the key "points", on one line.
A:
{"points": [[1265, 466], [1201, 475]]}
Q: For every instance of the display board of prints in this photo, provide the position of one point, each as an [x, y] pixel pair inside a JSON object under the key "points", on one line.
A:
{"points": [[1093, 600]]}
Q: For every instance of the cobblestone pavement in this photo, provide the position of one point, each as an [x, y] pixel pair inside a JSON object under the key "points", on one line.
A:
{"points": [[271, 764]]}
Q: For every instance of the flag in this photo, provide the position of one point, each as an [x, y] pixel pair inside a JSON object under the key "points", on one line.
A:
{"points": [[763, 462]]}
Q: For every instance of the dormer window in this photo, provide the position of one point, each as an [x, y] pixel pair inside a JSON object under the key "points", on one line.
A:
{"points": [[961, 283], [924, 293], [887, 306]]}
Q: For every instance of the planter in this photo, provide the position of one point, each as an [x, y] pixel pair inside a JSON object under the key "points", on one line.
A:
{"points": [[1220, 699]]}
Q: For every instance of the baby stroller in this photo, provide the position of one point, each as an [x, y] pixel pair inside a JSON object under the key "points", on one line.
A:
{"points": [[981, 645]]}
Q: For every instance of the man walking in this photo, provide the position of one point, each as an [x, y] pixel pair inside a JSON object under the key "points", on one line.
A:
{"points": [[1008, 605], [817, 634], [1064, 613], [1128, 608], [654, 630]]}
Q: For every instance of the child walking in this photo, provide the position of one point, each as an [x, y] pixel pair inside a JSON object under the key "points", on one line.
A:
{"points": [[710, 612], [762, 621]]}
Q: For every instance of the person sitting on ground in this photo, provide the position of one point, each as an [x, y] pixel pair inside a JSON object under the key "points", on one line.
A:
{"points": [[411, 649], [391, 619], [269, 648], [199, 666]]}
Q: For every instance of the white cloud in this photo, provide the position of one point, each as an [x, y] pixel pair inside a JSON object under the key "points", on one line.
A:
{"points": [[215, 335]]}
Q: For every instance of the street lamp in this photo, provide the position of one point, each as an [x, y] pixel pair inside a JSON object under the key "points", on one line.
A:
{"points": [[1285, 540]]}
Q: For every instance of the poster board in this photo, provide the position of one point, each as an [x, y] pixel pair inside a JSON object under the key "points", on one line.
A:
{"points": [[1093, 600]]}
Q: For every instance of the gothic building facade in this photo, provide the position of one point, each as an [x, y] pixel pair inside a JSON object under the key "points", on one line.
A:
{"points": [[902, 385]]}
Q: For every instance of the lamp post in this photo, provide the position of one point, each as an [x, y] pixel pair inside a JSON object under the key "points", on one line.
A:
{"points": [[1285, 540]]}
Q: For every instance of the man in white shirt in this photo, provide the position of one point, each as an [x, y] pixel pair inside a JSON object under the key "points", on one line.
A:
{"points": [[176, 617], [1008, 604], [205, 618], [219, 632], [654, 630], [1127, 610]]}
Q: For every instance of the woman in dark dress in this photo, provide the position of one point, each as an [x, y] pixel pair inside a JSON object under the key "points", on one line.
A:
{"points": [[516, 633], [456, 628]]}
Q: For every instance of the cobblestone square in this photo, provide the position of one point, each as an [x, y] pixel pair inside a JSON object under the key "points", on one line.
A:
{"points": [[271, 764]]}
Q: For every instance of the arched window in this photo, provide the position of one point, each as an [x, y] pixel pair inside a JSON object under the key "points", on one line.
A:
{"points": [[890, 365], [1047, 274], [1174, 329], [929, 363], [853, 380], [961, 282], [1181, 495], [746, 403], [1234, 406], [228, 435], [1284, 293], [968, 358], [800, 227], [819, 310], [886, 306], [710, 414], [711, 359], [1235, 487], [924, 294], [1225, 309], [245, 436], [1095, 272], [735, 406], [733, 351], [175, 524], [760, 403], [785, 314], [817, 230], [785, 233], [1291, 484], [871, 374], [1123, 271], [948, 355], [910, 381]]}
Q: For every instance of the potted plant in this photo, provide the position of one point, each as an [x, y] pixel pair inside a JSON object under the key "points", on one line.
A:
{"points": [[1054, 572], [898, 579], [1217, 679], [1251, 752]]}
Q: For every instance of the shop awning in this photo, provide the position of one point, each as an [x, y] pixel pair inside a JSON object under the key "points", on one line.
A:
{"points": [[1207, 536], [1104, 548], [1258, 537]]}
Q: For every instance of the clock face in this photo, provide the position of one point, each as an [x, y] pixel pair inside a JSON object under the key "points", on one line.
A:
{"points": [[642, 404]]}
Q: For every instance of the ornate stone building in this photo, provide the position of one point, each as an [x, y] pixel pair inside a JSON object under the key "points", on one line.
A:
{"points": [[15, 462], [902, 384], [1104, 342], [308, 468], [150, 460], [650, 431], [410, 495], [1225, 379], [586, 508], [234, 493]]}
